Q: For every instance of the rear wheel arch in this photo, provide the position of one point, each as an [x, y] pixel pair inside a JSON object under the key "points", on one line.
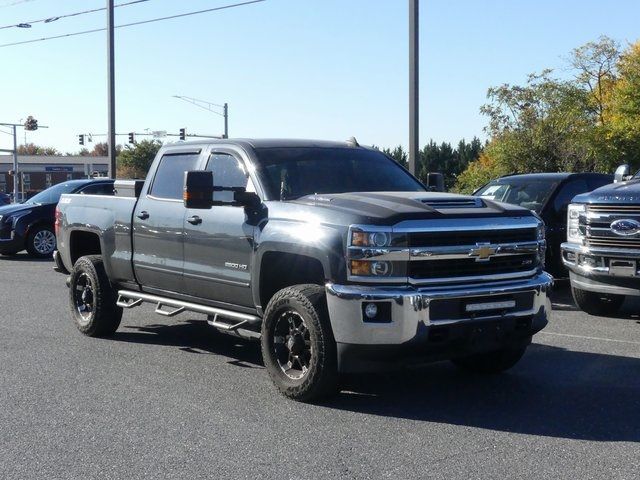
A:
{"points": [[83, 243]]}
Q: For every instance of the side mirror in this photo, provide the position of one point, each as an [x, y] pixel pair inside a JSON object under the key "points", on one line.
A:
{"points": [[435, 182], [622, 172], [198, 189], [246, 199]]}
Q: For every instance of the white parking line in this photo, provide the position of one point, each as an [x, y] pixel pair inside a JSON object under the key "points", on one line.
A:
{"points": [[590, 338]]}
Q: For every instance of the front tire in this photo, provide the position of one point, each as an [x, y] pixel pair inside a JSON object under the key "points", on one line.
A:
{"points": [[298, 347], [597, 303], [493, 362], [41, 242], [92, 299]]}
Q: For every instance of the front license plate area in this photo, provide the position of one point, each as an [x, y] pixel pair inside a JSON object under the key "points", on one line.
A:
{"points": [[489, 306], [481, 306], [622, 268]]}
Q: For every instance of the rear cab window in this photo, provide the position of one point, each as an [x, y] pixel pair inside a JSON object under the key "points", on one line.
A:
{"points": [[168, 182]]}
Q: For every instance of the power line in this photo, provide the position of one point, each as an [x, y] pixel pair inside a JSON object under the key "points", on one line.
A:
{"points": [[132, 24], [58, 17], [17, 2]]}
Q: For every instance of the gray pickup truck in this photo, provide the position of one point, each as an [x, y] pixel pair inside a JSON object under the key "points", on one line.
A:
{"points": [[330, 253]]}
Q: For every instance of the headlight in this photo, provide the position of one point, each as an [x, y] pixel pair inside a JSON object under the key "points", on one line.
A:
{"points": [[378, 239], [13, 218], [376, 252], [573, 223]]}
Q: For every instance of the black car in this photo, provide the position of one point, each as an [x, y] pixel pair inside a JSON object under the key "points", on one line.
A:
{"points": [[5, 199], [30, 225], [549, 195]]}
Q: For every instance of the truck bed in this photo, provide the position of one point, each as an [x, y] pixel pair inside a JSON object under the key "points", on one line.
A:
{"points": [[108, 217]]}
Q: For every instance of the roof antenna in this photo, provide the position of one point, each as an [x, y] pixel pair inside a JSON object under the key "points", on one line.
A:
{"points": [[353, 142]]}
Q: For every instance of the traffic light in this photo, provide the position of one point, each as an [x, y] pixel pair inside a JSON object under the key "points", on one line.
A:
{"points": [[183, 134], [132, 137], [30, 123], [81, 139]]}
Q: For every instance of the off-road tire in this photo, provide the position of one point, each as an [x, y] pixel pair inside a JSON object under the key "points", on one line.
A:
{"points": [[597, 303], [31, 247], [321, 378], [496, 361], [104, 317]]}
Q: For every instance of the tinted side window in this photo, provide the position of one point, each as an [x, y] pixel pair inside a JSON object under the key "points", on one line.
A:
{"points": [[169, 179], [567, 192], [98, 189], [227, 172]]}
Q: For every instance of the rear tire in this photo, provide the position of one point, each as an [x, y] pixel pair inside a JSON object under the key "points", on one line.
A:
{"points": [[298, 347], [92, 299], [41, 242], [493, 362], [597, 303]]}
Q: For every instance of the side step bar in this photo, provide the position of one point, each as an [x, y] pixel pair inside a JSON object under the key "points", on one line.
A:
{"points": [[131, 299]]}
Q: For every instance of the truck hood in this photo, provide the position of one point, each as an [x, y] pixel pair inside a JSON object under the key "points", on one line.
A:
{"points": [[623, 192], [393, 207]]}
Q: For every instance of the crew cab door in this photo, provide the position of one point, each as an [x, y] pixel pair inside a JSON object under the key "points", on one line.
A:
{"points": [[158, 219], [218, 243]]}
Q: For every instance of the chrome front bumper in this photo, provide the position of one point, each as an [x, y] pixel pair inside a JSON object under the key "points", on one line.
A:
{"points": [[411, 317], [601, 275]]}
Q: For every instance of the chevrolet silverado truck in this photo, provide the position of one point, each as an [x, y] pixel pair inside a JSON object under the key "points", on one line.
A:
{"points": [[331, 254], [602, 251]]}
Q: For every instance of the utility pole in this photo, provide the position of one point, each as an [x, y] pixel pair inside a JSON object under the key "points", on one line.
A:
{"points": [[111, 125], [414, 85]]}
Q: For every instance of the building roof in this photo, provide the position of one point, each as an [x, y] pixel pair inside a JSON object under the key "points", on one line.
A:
{"points": [[55, 159]]}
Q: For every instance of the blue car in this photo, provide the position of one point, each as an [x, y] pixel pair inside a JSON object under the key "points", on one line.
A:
{"points": [[30, 225]]}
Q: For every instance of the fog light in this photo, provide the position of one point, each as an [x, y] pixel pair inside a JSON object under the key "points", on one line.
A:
{"points": [[371, 310]]}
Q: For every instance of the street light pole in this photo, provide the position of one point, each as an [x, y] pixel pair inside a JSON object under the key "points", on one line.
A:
{"points": [[111, 125], [226, 120], [15, 165], [413, 85]]}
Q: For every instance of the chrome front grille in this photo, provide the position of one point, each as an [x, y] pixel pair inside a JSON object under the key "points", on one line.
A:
{"points": [[595, 225], [456, 250], [464, 267], [433, 239]]}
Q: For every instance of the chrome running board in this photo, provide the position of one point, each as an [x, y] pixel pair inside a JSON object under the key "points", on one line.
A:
{"points": [[131, 299]]}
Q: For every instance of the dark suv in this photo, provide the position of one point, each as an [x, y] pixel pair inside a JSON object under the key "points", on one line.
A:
{"points": [[549, 195], [29, 225]]}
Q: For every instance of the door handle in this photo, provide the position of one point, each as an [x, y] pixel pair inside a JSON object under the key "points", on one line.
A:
{"points": [[195, 220], [143, 215]]}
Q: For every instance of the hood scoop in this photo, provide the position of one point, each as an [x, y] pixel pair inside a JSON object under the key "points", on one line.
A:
{"points": [[464, 202]]}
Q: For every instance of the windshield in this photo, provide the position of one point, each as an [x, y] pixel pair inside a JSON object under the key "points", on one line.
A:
{"points": [[529, 194], [52, 194], [294, 172]]}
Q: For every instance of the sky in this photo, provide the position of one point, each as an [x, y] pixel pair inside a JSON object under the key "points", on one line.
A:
{"points": [[325, 69]]}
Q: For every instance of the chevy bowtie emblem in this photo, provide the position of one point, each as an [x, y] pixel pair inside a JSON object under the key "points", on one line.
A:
{"points": [[483, 252]]}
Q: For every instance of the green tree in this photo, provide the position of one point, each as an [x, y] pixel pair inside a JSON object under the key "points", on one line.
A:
{"points": [[33, 149], [134, 161], [399, 154]]}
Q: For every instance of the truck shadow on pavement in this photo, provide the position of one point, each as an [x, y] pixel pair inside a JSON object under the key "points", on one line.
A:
{"points": [[552, 392], [195, 336]]}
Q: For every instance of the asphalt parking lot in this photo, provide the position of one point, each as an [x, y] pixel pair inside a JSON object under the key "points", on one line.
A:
{"points": [[168, 398]]}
